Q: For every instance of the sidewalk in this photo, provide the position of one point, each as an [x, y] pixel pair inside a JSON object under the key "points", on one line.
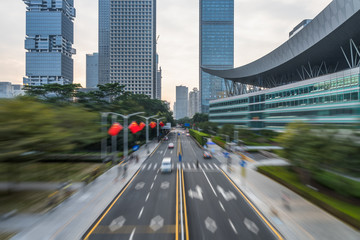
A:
{"points": [[72, 218], [304, 221]]}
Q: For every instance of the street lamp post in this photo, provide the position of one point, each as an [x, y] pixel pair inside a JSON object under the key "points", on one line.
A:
{"points": [[113, 140], [147, 126], [157, 124]]}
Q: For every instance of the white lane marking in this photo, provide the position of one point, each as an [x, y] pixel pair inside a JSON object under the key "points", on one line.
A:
{"points": [[156, 223], [141, 211], [155, 166], [197, 193], [211, 167], [205, 166], [140, 185], [210, 224], [155, 177], [132, 234], [209, 183], [149, 166], [117, 223], [194, 165], [165, 185], [171, 151], [172, 166], [216, 166], [251, 226], [222, 206], [152, 185], [147, 197], [227, 195], [165, 152], [144, 166], [189, 165], [158, 170], [233, 227]]}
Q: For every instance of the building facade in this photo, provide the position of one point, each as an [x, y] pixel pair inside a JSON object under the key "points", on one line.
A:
{"points": [[181, 102], [216, 46], [328, 99], [49, 39], [92, 70], [9, 90], [194, 102], [313, 77], [158, 83], [128, 29]]}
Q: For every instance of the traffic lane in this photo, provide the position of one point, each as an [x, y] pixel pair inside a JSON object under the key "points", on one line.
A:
{"points": [[188, 153], [244, 218], [120, 220], [157, 216], [205, 215], [193, 148]]}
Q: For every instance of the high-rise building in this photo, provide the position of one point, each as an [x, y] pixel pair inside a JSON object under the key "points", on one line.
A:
{"points": [[194, 102], [92, 70], [131, 41], [49, 39], [216, 46], [158, 83], [181, 102], [104, 41], [158, 79]]}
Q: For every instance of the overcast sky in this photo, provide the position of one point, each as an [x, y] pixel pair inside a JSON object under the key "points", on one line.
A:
{"points": [[260, 27]]}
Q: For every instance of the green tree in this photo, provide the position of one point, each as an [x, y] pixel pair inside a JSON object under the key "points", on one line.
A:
{"points": [[200, 117], [53, 92]]}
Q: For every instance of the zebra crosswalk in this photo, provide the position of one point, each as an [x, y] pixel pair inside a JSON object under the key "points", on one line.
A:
{"points": [[186, 166]]}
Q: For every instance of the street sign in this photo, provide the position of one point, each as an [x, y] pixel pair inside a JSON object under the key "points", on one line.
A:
{"points": [[242, 163]]}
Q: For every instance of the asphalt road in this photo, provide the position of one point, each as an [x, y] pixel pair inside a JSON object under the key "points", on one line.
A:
{"points": [[148, 208]]}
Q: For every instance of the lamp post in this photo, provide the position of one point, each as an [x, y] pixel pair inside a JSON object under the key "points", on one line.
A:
{"points": [[147, 126], [114, 139], [157, 124]]}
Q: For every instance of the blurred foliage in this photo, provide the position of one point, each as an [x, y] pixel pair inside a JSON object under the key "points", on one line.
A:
{"points": [[317, 148], [218, 141], [28, 126], [208, 127], [62, 119]]}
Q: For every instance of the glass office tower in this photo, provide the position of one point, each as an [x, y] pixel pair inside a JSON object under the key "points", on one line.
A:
{"points": [[216, 46], [132, 44], [49, 39]]}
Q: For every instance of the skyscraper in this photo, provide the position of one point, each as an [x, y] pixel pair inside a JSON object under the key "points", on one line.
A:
{"points": [[104, 41], [181, 102], [216, 46], [92, 70], [131, 42], [158, 83], [49, 39], [194, 102]]}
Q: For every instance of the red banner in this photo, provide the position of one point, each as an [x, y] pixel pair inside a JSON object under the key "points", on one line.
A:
{"points": [[115, 129]]}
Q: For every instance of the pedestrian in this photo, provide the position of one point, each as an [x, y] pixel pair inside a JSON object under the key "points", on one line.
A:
{"points": [[197, 163], [125, 168]]}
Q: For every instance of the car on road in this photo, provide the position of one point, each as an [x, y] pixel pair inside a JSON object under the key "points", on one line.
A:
{"points": [[188, 134], [166, 138], [166, 165], [207, 155], [171, 145]]}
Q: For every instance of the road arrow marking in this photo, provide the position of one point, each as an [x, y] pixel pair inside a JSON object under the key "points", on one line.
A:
{"points": [[140, 185], [227, 195], [165, 185], [156, 223], [117, 223], [251, 226], [210, 224], [197, 193]]}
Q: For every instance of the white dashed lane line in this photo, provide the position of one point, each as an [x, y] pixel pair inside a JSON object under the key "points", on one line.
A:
{"points": [[232, 226], [222, 207], [147, 197], [141, 211]]}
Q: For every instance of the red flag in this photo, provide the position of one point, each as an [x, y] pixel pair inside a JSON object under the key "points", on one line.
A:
{"points": [[134, 127], [115, 129], [152, 124], [161, 124], [142, 125]]}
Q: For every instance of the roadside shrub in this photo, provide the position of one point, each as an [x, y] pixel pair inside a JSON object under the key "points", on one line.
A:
{"points": [[199, 136], [340, 184]]}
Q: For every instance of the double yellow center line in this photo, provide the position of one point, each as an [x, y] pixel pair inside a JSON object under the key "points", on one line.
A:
{"points": [[180, 193]]}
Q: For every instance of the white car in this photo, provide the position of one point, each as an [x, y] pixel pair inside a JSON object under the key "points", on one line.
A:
{"points": [[171, 145], [166, 165]]}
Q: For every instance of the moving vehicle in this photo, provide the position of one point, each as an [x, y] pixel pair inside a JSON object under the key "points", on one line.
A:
{"points": [[207, 155], [188, 134], [166, 165], [171, 145], [166, 138]]}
